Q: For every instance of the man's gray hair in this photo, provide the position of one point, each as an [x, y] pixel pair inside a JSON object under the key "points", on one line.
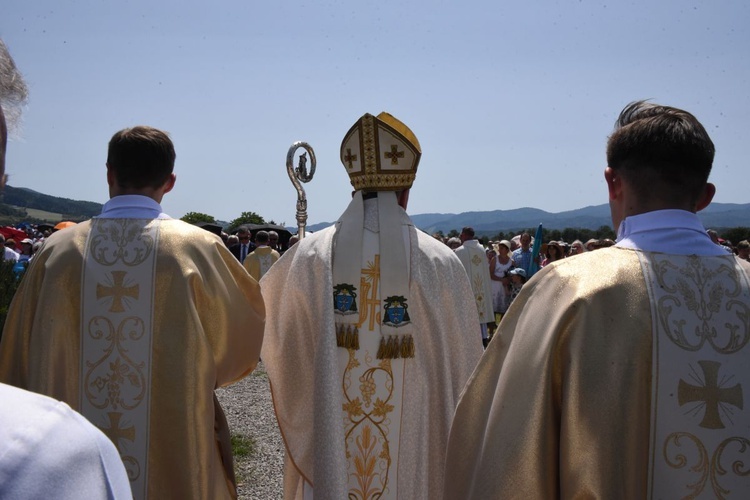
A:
{"points": [[13, 90]]}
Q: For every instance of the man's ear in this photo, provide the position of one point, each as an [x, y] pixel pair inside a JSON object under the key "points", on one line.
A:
{"points": [[614, 183], [110, 176], [169, 184], [705, 199]]}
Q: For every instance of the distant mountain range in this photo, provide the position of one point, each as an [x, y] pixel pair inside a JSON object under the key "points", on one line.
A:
{"points": [[717, 215]]}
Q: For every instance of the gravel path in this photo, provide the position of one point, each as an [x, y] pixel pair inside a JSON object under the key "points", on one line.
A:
{"points": [[249, 410]]}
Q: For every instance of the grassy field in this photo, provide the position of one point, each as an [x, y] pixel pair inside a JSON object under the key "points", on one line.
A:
{"points": [[41, 214]]}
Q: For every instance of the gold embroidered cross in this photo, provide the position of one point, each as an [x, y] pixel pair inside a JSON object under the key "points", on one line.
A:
{"points": [[349, 158], [369, 301], [711, 395], [117, 291], [115, 433], [394, 154]]}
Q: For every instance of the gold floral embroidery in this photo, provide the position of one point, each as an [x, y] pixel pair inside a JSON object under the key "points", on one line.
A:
{"points": [[692, 296], [366, 424], [120, 240], [353, 408], [364, 464], [115, 369], [696, 458]]}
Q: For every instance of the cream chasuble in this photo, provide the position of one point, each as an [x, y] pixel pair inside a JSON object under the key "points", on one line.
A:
{"points": [[355, 426], [616, 374], [474, 259], [134, 323]]}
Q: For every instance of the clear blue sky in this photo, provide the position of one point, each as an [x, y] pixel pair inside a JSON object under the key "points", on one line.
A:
{"points": [[512, 102]]}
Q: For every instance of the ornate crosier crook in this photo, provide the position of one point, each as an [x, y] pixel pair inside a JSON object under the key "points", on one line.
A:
{"points": [[299, 175]]}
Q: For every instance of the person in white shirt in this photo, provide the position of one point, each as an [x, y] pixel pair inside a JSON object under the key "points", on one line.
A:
{"points": [[8, 253]]}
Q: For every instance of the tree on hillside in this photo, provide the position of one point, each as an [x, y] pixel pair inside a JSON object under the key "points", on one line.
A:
{"points": [[246, 218], [605, 232], [194, 217], [736, 234]]}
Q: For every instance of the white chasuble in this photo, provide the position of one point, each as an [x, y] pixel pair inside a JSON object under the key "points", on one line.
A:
{"points": [[117, 325], [474, 259], [700, 413], [372, 394]]}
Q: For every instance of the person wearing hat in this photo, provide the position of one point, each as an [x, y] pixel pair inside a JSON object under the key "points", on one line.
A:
{"points": [[621, 373], [552, 253], [27, 250], [8, 252], [517, 279], [499, 267], [368, 335]]}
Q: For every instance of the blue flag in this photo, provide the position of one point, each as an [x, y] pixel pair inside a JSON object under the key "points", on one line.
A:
{"points": [[535, 251]]}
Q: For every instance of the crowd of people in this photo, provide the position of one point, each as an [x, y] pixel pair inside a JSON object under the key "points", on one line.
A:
{"points": [[617, 369]]}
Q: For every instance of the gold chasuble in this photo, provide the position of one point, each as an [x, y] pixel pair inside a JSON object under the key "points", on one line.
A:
{"points": [[134, 323], [617, 373]]}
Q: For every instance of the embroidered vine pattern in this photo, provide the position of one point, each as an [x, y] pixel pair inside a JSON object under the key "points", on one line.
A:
{"points": [[677, 448], [367, 422], [703, 293], [115, 370], [119, 240]]}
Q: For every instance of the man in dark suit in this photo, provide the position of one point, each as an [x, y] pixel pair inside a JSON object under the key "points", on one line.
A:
{"points": [[245, 246]]}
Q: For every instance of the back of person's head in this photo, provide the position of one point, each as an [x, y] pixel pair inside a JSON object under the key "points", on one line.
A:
{"points": [[141, 157], [661, 152], [261, 237], [468, 232]]}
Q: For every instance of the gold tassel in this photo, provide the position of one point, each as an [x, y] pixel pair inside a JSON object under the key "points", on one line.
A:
{"points": [[340, 336], [407, 347], [381, 349], [395, 348], [347, 337]]}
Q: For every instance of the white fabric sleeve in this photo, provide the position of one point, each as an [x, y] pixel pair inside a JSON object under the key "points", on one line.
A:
{"points": [[47, 450]]}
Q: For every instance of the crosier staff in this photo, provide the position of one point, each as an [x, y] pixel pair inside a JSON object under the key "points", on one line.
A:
{"points": [[298, 176]]}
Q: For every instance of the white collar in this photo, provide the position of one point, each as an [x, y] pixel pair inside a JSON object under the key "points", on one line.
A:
{"points": [[671, 231], [132, 206], [659, 220]]}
